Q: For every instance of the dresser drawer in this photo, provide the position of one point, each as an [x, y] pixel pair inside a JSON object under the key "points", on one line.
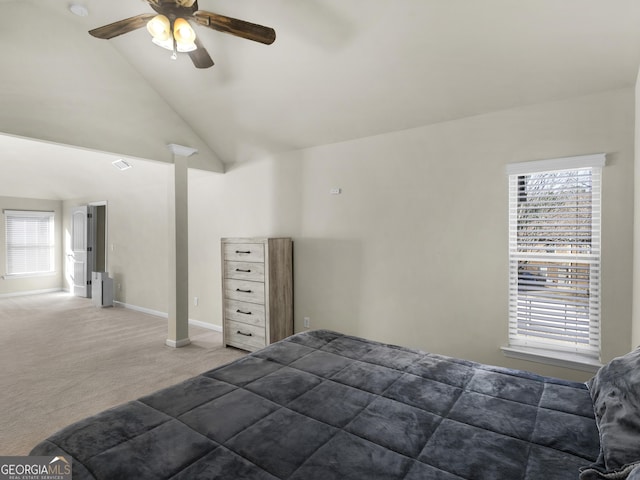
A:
{"points": [[244, 252], [244, 312], [244, 291], [244, 336], [244, 271]]}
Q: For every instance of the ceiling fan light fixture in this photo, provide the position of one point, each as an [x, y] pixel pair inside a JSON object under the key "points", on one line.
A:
{"points": [[160, 28], [167, 44], [186, 48], [185, 35]]}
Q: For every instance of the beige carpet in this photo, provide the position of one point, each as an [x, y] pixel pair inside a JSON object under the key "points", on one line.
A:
{"points": [[63, 359]]}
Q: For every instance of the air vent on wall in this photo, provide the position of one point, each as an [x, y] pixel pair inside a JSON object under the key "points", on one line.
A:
{"points": [[121, 164]]}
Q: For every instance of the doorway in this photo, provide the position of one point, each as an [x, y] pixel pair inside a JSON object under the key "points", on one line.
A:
{"points": [[88, 252], [97, 236]]}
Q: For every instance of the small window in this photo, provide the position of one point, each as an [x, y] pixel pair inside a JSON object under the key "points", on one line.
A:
{"points": [[30, 242], [554, 255]]}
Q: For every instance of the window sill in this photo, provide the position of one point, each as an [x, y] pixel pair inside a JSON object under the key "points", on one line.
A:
{"points": [[27, 275], [574, 361]]}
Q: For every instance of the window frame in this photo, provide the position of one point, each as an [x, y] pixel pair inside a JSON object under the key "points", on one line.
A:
{"points": [[49, 246], [528, 347]]}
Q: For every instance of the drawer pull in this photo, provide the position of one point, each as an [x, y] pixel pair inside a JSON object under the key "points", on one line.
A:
{"points": [[245, 334], [243, 291], [242, 270], [244, 313], [245, 252]]}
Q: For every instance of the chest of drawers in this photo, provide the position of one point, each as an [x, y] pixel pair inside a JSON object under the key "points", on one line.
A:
{"points": [[257, 291]]}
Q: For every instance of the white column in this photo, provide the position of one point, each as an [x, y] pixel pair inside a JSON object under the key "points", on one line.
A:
{"points": [[178, 331]]}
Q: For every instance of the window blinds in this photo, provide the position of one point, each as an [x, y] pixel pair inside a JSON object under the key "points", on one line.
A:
{"points": [[29, 242], [554, 255]]}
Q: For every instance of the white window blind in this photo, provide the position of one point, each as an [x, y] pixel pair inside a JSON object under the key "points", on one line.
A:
{"points": [[554, 254], [30, 242]]}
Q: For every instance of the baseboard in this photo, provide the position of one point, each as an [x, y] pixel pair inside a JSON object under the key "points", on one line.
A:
{"points": [[148, 311], [206, 325], [178, 343], [30, 292], [165, 315]]}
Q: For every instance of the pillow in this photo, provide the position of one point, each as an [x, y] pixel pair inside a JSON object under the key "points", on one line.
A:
{"points": [[615, 392]]}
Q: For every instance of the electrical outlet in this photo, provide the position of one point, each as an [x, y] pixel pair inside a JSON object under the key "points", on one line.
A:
{"points": [[195, 301], [307, 322]]}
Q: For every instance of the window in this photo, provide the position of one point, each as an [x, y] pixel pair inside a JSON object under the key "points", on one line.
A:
{"points": [[554, 255], [30, 242]]}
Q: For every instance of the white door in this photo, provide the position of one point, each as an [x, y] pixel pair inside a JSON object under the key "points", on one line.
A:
{"points": [[78, 256]]}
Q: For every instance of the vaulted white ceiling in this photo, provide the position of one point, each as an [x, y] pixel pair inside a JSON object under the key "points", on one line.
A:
{"points": [[338, 70]]}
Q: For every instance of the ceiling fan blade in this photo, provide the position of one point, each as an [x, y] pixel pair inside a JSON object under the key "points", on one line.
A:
{"points": [[122, 26], [239, 28], [200, 57]]}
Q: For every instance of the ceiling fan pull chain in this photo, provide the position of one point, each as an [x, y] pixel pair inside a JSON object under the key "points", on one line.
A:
{"points": [[174, 55]]}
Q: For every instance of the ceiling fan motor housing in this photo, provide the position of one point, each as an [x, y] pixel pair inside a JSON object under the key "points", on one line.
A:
{"points": [[174, 8]]}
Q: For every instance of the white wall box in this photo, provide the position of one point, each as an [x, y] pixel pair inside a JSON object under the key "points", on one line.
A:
{"points": [[257, 291]]}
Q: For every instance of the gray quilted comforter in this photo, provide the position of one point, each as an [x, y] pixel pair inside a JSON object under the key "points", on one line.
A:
{"points": [[322, 405]]}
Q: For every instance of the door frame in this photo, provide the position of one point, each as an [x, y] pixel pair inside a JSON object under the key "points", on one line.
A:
{"points": [[92, 233]]}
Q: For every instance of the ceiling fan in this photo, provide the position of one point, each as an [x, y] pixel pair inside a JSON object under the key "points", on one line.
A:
{"points": [[170, 28]]}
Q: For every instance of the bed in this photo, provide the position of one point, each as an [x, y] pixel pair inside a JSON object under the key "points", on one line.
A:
{"points": [[323, 405]]}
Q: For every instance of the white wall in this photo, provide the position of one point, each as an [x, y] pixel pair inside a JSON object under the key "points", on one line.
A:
{"points": [[38, 283], [414, 250], [137, 247]]}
